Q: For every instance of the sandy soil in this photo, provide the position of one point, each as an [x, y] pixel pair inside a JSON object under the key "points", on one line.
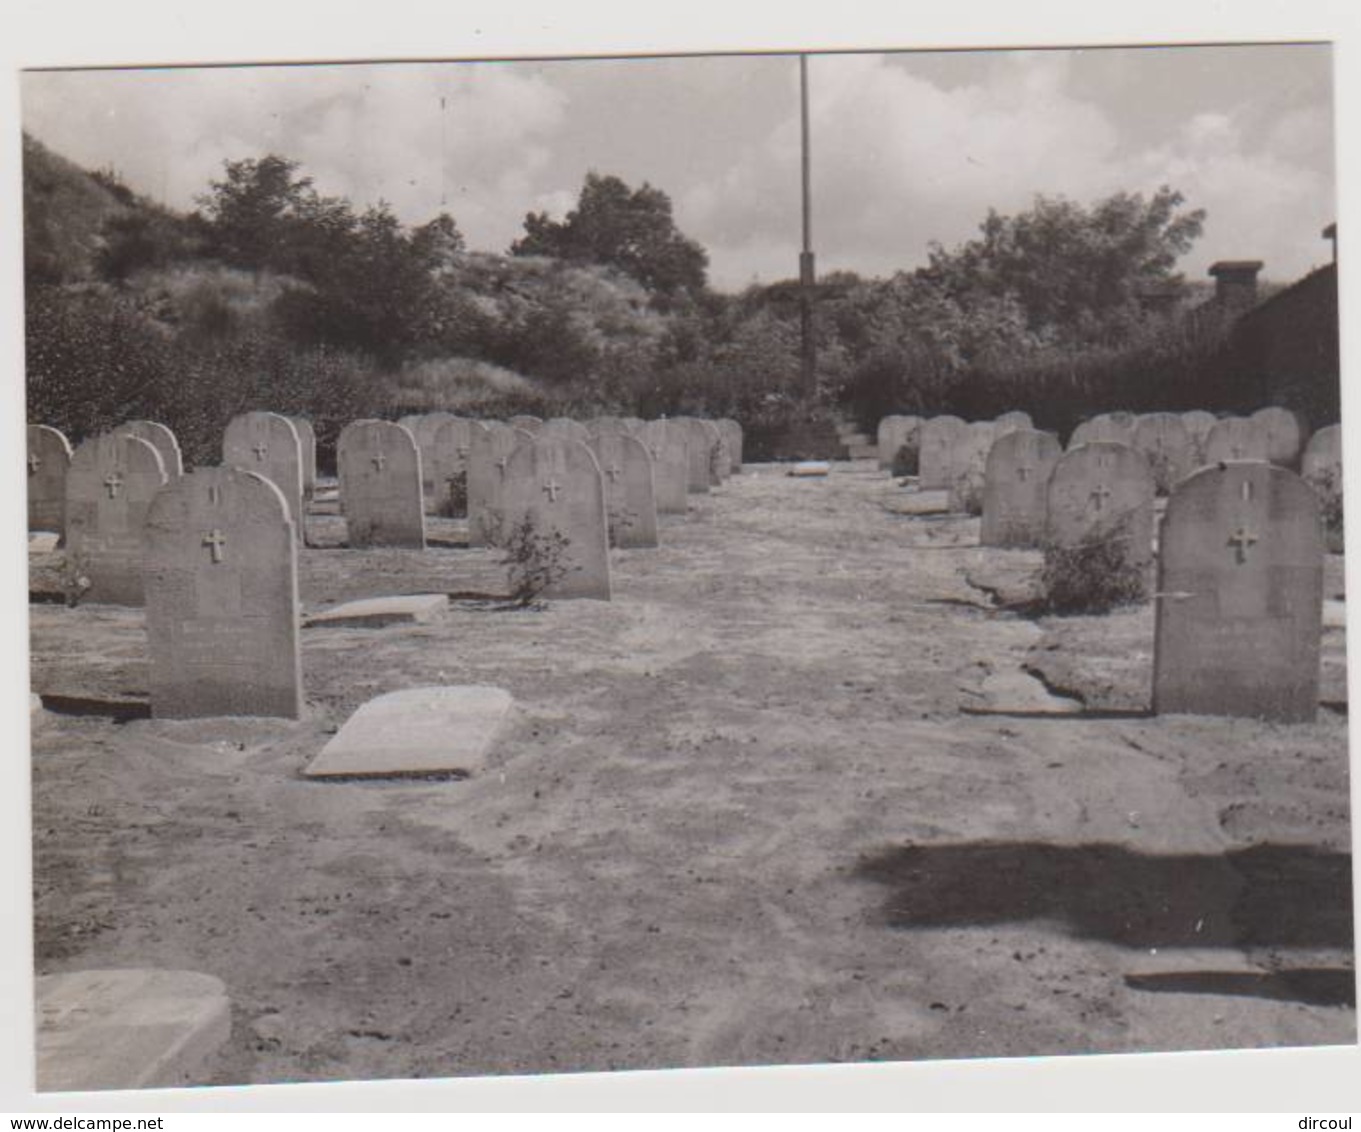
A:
{"points": [[800, 793]]}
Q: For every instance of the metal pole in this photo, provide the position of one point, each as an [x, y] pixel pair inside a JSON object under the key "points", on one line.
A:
{"points": [[807, 273]]}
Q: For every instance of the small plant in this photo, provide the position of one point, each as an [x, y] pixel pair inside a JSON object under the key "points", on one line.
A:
{"points": [[718, 461], [1095, 575], [905, 459], [535, 561], [75, 578], [1328, 484]]}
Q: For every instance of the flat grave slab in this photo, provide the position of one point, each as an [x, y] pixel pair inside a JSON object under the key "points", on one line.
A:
{"points": [[127, 1029], [437, 730], [922, 503], [43, 542], [1334, 613], [377, 612], [811, 468]]}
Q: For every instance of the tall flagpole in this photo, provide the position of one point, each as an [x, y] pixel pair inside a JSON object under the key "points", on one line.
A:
{"points": [[806, 269]]}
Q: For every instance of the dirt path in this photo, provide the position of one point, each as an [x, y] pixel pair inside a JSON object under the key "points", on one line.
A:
{"points": [[739, 818]]}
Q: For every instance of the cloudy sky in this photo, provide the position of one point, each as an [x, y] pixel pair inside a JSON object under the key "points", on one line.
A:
{"points": [[908, 148]]}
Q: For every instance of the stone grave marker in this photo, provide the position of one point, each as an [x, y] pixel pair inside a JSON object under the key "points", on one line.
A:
{"points": [[732, 438], [667, 442], [1283, 433], [630, 498], [1016, 488], [939, 440], [697, 442], [1198, 423], [448, 452], [1240, 589], [1097, 487], [161, 439], [970, 464], [109, 487], [634, 424], [438, 730], [894, 431], [127, 1028], [267, 444], [380, 476], [380, 612], [607, 424], [566, 427], [222, 598], [1322, 457], [1168, 447], [720, 461], [553, 484], [307, 442], [1011, 421], [1234, 438], [489, 450], [1117, 427], [526, 421], [423, 428], [49, 457]]}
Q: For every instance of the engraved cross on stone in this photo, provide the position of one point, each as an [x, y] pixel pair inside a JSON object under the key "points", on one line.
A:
{"points": [[379, 460], [113, 482], [261, 450], [1023, 473], [34, 463], [551, 489], [1100, 493], [614, 471], [215, 541], [1241, 539], [501, 465]]}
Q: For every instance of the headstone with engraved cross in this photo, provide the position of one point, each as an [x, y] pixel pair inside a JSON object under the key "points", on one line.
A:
{"points": [[380, 473], [1016, 488], [222, 598], [630, 499], [1099, 490], [1168, 447], [444, 463], [1283, 432], [307, 443], [732, 438], [489, 450], [49, 456], [697, 447], [668, 443], [267, 444], [555, 492], [1117, 427], [425, 427], [111, 483], [895, 432], [1240, 595], [1198, 423]]}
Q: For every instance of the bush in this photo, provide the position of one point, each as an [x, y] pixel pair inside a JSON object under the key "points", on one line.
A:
{"points": [[966, 493], [535, 561], [1095, 575], [906, 459], [1328, 484]]}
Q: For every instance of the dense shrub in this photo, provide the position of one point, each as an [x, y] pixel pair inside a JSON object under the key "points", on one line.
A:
{"points": [[1095, 575]]}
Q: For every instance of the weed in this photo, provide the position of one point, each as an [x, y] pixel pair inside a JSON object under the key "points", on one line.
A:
{"points": [[1095, 575], [535, 561], [1328, 484]]}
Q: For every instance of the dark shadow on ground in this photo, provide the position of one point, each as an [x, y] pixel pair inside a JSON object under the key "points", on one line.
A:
{"points": [[1265, 895], [1316, 986]]}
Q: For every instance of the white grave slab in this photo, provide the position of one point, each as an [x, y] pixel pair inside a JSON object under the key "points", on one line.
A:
{"points": [[438, 730], [127, 1029], [377, 612]]}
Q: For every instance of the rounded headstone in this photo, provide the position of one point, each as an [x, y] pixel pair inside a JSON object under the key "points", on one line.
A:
{"points": [[1240, 585], [940, 438], [970, 462], [1234, 438], [1323, 455], [895, 431], [1117, 427], [565, 426], [732, 439], [667, 442], [222, 598], [1100, 488], [489, 450], [1284, 434], [444, 462], [697, 446], [1016, 488], [307, 441], [49, 457], [554, 491], [109, 488], [630, 499], [267, 444], [161, 439], [525, 421], [380, 477], [1011, 421], [1163, 439]]}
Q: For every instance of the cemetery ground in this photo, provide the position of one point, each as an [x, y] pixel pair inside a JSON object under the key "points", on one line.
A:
{"points": [[804, 791]]}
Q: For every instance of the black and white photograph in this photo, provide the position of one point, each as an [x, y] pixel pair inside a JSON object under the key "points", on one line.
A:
{"points": [[591, 563]]}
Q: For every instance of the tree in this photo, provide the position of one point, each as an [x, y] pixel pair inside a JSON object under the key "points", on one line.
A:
{"points": [[1077, 273], [632, 230], [249, 213]]}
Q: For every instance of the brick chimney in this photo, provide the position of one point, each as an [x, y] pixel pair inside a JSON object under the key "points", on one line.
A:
{"points": [[1330, 233], [1236, 282]]}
